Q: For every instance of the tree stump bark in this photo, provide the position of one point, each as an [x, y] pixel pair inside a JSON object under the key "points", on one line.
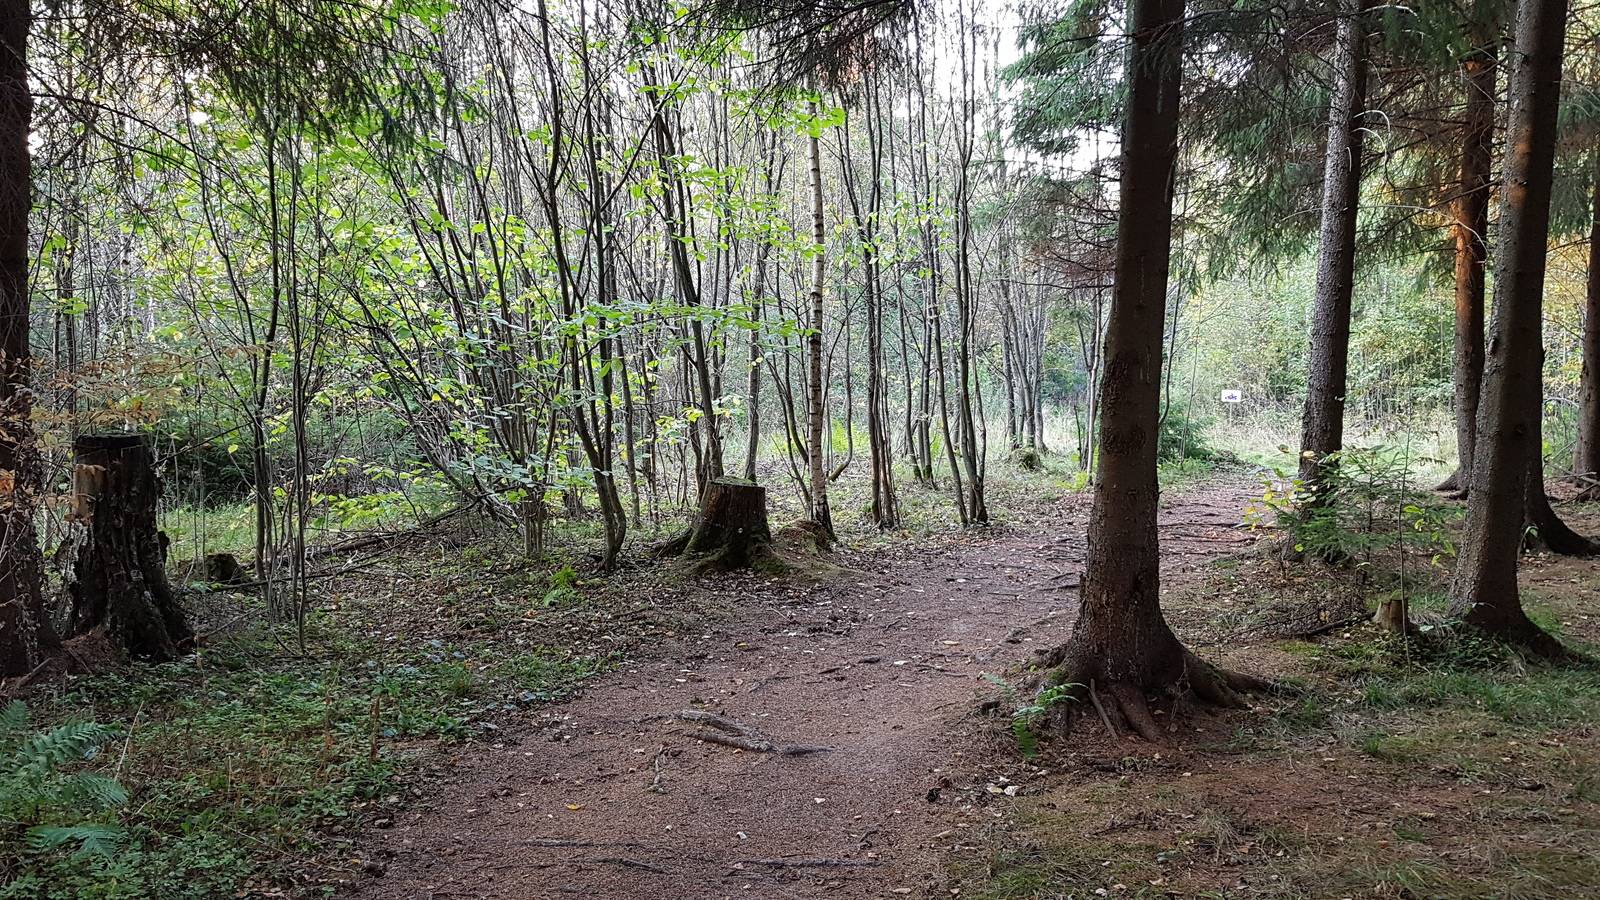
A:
{"points": [[732, 530], [1393, 616], [120, 580]]}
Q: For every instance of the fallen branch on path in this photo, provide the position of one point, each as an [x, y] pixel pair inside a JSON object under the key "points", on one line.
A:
{"points": [[1094, 697], [552, 842], [809, 863], [732, 734], [655, 783], [630, 863]]}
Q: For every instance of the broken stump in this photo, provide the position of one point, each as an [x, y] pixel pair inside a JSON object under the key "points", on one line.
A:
{"points": [[120, 579]]}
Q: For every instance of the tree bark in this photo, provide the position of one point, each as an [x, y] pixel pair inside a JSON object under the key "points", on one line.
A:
{"points": [[816, 413], [1322, 423], [885, 505], [1472, 252], [1121, 641], [1545, 529], [1586, 460], [25, 631], [969, 421], [1483, 593], [120, 577], [731, 531]]}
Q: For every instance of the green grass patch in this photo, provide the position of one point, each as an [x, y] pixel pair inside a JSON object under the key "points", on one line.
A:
{"points": [[245, 765]]}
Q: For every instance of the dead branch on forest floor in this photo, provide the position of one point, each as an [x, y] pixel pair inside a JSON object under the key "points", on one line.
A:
{"points": [[809, 863], [655, 783], [554, 842], [382, 538], [732, 734], [630, 863], [1094, 697]]}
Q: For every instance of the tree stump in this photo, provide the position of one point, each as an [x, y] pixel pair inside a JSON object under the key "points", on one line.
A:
{"points": [[732, 530], [120, 578], [1393, 615]]}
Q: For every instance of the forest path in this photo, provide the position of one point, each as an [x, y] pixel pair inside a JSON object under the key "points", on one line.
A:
{"points": [[882, 666]]}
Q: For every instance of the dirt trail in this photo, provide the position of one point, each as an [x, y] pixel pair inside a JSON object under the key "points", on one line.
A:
{"points": [[881, 667]]}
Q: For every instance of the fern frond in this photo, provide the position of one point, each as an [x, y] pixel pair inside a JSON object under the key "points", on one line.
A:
{"points": [[93, 792], [92, 840], [32, 787], [42, 753], [13, 720]]}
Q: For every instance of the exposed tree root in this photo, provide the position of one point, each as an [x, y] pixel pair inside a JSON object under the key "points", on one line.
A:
{"points": [[1135, 711], [1548, 529], [1451, 485], [630, 863], [656, 786], [1244, 683], [732, 734], [673, 546], [1124, 707], [1520, 633], [1550, 532], [809, 863]]}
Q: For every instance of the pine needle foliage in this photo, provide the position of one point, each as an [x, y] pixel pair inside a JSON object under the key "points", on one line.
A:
{"points": [[312, 65], [829, 43]]}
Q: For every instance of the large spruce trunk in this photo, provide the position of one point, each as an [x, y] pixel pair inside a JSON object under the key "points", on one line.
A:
{"points": [[1322, 421], [1544, 528], [119, 577], [1586, 459], [1121, 643], [1472, 252], [1121, 635], [1483, 592], [24, 629]]}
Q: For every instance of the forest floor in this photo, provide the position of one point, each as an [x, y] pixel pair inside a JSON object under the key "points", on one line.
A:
{"points": [[1385, 772], [461, 723], [616, 795]]}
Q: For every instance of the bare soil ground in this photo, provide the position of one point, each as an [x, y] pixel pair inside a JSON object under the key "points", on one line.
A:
{"points": [[618, 794]]}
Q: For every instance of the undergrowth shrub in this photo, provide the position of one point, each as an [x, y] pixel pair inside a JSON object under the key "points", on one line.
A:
{"points": [[44, 807], [1183, 434], [1369, 507]]}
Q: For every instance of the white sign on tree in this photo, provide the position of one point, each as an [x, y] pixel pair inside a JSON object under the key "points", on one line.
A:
{"points": [[1232, 396]]}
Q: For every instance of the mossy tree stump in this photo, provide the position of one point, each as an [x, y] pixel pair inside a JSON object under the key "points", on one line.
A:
{"points": [[120, 579]]}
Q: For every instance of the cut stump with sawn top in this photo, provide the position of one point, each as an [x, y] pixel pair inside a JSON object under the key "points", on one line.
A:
{"points": [[731, 530]]}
